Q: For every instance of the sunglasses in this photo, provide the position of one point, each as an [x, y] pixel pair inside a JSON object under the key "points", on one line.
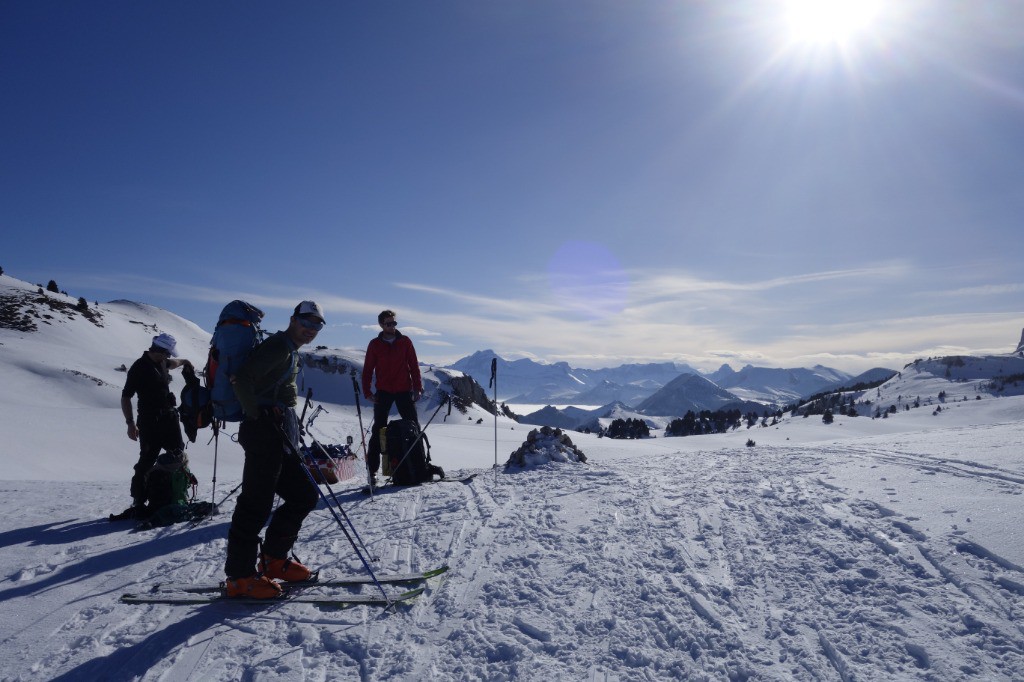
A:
{"points": [[311, 324], [390, 324]]}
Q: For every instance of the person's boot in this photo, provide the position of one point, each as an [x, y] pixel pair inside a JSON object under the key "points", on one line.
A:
{"points": [[254, 586], [288, 570]]}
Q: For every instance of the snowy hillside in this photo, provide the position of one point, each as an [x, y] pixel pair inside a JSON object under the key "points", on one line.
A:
{"points": [[868, 549], [942, 383], [63, 371]]}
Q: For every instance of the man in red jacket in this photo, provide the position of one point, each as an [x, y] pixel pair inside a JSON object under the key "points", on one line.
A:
{"points": [[392, 358]]}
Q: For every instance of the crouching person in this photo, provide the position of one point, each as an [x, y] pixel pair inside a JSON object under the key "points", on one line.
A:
{"points": [[265, 386]]}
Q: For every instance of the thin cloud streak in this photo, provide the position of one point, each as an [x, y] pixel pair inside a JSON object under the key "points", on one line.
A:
{"points": [[255, 293], [987, 290], [755, 328]]}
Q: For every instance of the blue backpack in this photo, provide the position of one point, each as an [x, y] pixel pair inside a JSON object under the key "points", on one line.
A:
{"points": [[237, 333]]}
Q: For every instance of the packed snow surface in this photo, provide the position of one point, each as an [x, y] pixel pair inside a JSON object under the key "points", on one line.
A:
{"points": [[835, 554]]}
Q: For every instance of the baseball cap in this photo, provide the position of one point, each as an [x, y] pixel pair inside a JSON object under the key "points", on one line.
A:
{"points": [[310, 308]]}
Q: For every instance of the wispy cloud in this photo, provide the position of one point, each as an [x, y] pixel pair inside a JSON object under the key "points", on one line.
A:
{"points": [[987, 290], [783, 321], [261, 293], [828, 317]]}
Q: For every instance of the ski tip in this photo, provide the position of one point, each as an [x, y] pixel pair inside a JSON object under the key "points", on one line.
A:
{"points": [[409, 594], [433, 573]]}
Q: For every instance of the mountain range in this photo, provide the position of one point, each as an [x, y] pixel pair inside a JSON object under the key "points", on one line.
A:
{"points": [[650, 389]]}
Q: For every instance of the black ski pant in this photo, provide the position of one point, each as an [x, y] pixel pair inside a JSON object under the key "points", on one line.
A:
{"points": [[157, 432], [269, 469], [381, 412]]}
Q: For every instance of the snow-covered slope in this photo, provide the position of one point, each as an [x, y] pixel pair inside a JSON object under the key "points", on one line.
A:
{"points": [[61, 375], [867, 549], [831, 555]]}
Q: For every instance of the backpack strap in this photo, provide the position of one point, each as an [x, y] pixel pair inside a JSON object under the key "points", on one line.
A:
{"points": [[293, 361]]}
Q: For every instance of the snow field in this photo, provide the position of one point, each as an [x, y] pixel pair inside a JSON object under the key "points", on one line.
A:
{"points": [[780, 562]]}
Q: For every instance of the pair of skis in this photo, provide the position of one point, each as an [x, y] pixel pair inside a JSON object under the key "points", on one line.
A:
{"points": [[301, 592]]}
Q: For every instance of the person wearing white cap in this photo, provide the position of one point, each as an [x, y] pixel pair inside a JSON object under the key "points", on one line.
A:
{"points": [[157, 427], [265, 387]]}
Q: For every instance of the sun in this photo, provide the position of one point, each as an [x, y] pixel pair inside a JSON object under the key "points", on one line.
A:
{"points": [[829, 22]]}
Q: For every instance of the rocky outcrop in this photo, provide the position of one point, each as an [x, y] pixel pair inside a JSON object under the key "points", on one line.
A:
{"points": [[545, 445], [466, 391]]}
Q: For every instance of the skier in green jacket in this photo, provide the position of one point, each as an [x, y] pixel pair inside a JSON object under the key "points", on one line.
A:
{"points": [[265, 386]]}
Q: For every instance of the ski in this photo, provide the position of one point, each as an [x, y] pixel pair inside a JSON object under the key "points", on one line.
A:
{"points": [[345, 581], [335, 600]]}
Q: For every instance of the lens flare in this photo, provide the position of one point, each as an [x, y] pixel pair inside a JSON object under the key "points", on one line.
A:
{"points": [[829, 21], [587, 279]]}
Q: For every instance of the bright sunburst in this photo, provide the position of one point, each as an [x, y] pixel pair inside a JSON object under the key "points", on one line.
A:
{"points": [[826, 22]]}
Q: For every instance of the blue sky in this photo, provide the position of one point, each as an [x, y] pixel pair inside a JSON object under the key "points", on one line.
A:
{"points": [[591, 181]]}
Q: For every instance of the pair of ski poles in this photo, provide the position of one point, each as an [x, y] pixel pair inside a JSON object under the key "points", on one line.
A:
{"points": [[353, 538]]}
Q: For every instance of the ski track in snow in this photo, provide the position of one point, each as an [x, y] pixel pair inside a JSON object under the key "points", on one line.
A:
{"points": [[733, 564]]}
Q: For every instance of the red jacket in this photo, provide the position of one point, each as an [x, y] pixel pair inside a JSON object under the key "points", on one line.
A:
{"points": [[395, 364]]}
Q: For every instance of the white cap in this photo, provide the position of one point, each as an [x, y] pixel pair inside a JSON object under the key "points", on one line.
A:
{"points": [[310, 308], [166, 342]]}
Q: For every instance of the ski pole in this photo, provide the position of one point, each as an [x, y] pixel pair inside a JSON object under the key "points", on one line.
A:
{"points": [[312, 462], [305, 406], [309, 474], [366, 453], [334, 497], [216, 445], [494, 383], [196, 522]]}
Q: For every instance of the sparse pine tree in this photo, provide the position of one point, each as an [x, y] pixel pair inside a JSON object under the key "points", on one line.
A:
{"points": [[52, 287], [83, 304]]}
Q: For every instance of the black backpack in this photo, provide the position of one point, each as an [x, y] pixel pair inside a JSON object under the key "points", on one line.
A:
{"points": [[408, 451], [196, 408]]}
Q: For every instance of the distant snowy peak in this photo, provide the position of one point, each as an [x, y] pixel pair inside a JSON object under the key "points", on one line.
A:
{"points": [[769, 384], [576, 418], [531, 381], [872, 376], [1020, 346], [690, 392]]}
